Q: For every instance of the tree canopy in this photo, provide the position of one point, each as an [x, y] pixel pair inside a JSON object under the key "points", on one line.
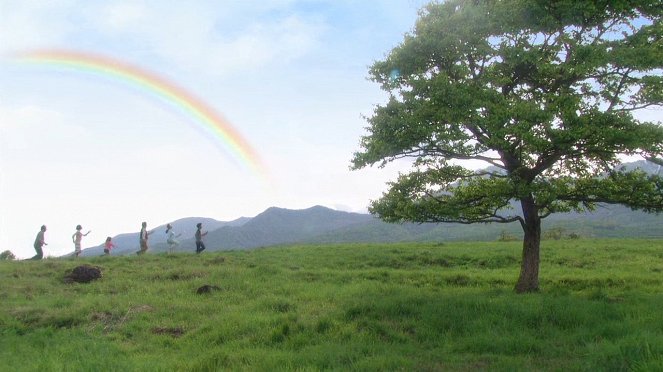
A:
{"points": [[543, 93]]}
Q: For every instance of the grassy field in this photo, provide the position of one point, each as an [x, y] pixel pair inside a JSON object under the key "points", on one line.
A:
{"points": [[423, 307]]}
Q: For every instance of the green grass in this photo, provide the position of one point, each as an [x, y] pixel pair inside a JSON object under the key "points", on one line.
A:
{"points": [[423, 307]]}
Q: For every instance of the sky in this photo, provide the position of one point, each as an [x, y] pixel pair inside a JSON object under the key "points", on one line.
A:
{"points": [[289, 76]]}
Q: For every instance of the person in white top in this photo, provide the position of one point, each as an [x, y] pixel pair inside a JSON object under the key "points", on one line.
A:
{"points": [[76, 238], [173, 243]]}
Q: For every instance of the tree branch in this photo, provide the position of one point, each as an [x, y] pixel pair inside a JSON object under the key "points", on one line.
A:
{"points": [[615, 98], [633, 108]]}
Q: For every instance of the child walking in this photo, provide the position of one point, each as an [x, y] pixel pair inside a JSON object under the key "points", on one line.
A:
{"points": [[200, 246], [144, 235], [76, 238], [108, 245], [171, 240]]}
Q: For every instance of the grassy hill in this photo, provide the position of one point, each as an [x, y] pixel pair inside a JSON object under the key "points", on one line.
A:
{"points": [[371, 307]]}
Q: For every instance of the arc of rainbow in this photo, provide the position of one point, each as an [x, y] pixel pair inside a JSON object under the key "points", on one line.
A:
{"points": [[159, 86]]}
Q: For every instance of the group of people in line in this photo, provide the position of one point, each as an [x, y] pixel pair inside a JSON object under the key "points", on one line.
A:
{"points": [[77, 237]]}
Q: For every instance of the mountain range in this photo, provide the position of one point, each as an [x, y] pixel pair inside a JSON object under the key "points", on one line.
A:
{"points": [[318, 224]]}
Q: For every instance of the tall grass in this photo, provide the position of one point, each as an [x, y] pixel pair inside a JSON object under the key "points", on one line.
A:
{"points": [[341, 307]]}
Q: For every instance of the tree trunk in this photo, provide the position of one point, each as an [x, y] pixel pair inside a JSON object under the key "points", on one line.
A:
{"points": [[529, 266]]}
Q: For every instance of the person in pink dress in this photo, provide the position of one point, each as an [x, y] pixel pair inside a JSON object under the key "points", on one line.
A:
{"points": [[108, 245]]}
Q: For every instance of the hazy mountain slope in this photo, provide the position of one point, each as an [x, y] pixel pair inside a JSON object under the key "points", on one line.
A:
{"points": [[128, 243], [323, 225], [277, 226]]}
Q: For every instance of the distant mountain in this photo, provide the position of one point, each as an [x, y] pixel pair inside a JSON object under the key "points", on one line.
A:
{"points": [[646, 166], [277, 226]]}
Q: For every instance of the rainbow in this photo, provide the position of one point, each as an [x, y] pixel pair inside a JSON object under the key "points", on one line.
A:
{"points": [[201, 113]]}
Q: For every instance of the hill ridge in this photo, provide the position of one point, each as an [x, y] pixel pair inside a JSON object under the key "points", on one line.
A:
{"points": [[320, 224]]}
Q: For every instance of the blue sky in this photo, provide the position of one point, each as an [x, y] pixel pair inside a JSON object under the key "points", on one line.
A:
{"points": [[291, 77]]}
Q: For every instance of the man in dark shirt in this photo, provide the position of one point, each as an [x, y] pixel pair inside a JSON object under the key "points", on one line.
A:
{"points": [[39, 243]]}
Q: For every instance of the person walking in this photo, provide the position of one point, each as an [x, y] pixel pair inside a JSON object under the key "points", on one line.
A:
{"points": [[172, 241], [144, 235], [200, 246], [108, 245], [76, 238], [39, 243]]}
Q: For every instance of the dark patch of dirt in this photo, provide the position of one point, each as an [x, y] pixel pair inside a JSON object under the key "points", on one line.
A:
{"points": [[177, 275], [171, 331], [216, 261], [207, 289], [83, 274]]}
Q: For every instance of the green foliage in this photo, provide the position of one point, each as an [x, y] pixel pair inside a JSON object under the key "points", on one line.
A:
{"points": [[543, 92], [340, 307], [7, 255]]}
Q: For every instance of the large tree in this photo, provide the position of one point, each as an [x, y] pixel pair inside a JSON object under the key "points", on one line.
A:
{"points": [[543, 92]]}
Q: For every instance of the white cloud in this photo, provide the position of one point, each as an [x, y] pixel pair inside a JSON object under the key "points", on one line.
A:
{"points": [[264, 43], [122, 15], [27, 126], [219, 40], [31, 24]]}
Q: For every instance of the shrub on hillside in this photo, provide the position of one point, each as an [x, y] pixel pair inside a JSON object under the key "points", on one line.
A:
{"points": [[7, 255], [556, 233], [505, 236]]}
